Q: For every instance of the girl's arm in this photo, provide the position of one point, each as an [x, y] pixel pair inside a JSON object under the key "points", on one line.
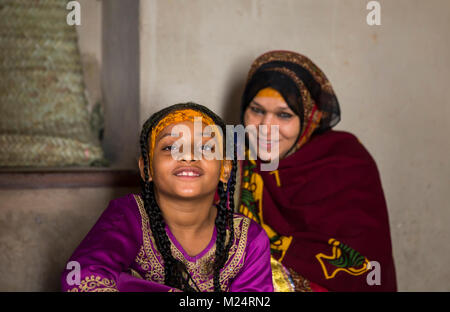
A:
{"points": [[107, 250], [256, 274]]}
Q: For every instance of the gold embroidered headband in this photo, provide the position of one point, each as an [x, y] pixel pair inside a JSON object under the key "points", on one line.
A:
{"points": [[180, 116]]}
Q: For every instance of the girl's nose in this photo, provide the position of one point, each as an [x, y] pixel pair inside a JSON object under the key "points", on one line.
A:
{"points": [[188, 155]]}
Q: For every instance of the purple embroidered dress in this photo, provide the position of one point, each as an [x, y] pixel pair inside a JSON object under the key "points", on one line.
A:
{"points": [[119, 254]]}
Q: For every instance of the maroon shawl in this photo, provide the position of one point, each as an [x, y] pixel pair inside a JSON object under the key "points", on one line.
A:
{"points": [[329, 199]]}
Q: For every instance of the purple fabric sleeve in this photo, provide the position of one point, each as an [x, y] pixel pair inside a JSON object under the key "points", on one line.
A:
{"points": [[128, 283], [108, 249], [256, 274]]}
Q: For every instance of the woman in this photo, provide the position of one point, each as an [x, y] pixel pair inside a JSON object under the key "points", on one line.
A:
{"points": [[323, 208]]}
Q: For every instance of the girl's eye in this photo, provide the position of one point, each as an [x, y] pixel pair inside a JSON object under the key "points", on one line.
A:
{"points": [[170, 148], [284, 115], [256, 110], [207, 148]]}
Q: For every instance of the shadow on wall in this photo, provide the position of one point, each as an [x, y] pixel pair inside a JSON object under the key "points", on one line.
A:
{"points": [[40, 229], [70, 236], [235, 87]]}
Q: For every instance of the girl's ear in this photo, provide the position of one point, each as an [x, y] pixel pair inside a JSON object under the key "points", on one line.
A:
{"points": [[141, 169], [227, 165]]}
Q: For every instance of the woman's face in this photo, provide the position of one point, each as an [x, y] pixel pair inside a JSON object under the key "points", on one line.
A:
{"points": [[270, 111], [175, 171]]}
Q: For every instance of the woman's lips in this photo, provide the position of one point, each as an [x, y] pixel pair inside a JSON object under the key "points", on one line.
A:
{"points": [[188, 172], [267, 144]]}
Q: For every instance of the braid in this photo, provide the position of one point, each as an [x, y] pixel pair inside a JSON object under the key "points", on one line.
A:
{"points": [[175, 272], [173, 268]]}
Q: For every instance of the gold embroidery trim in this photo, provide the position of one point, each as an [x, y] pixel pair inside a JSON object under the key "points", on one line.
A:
{"points": [[95, 283], [152, 264], [256, 187], [146, 257]]}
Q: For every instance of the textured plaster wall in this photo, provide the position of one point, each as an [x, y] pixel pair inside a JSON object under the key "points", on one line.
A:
{"points": [[40, 229], [391, 81]]}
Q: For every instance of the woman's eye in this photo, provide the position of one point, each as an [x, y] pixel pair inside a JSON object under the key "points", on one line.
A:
{"points": [[284, 115]]}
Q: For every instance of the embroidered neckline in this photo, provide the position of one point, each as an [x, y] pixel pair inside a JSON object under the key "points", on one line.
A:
{"points": [[151, 262], [197, 257]]}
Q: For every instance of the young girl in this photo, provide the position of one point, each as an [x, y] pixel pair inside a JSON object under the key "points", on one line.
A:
{"points": [[175, 236]]}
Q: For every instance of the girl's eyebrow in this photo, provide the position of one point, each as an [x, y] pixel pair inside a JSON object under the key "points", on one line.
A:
{"points": [[164, 135]]}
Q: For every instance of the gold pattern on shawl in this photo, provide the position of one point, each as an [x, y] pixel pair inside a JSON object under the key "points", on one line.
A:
{"points": [[150, 260], [95, 283], [277, 177], [256, 186], [352, 262], [301, 284], [296, 58]]}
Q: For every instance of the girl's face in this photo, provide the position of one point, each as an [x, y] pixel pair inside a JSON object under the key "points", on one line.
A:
{"points": [[184, 177], [273, 111]]}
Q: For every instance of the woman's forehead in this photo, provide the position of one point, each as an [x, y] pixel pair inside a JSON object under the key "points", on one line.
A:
{"points": [[271, 103]]}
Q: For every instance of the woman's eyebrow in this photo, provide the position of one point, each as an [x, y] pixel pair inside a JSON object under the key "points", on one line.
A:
{"points": [[256, 103], [283, 108]]}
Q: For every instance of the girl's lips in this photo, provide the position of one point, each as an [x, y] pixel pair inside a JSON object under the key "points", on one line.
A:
{"points": [[188, 172]]}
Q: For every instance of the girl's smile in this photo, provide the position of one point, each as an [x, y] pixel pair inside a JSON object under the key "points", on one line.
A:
{"points": [[188, 172]]}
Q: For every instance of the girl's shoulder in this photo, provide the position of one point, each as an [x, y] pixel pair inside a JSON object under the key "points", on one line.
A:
{"points": [[247, 228], [128, 206]]}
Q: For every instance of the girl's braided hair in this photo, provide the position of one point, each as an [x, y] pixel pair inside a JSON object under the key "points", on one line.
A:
{"points": [[175, 272]]}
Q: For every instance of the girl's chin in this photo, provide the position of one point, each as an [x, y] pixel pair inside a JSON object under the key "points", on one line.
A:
{"points": [[190, 193]]}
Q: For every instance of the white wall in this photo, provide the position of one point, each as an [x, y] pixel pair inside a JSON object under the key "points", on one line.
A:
{"points": [[391, 81]]}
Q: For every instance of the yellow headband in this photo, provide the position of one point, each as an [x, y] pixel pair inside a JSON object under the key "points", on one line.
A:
{"points": [[269, 92], [176, 117]]}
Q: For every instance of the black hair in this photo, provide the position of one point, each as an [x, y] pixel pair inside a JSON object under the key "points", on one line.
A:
{"points": [[175, 272]]}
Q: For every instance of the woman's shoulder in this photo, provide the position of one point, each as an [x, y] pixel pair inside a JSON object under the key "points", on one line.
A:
{"points": [[338, 143], [336, 138]]}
